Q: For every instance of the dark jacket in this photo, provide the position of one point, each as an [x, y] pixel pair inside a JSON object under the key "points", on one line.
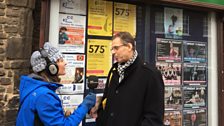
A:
{"points": [[137, 101]]}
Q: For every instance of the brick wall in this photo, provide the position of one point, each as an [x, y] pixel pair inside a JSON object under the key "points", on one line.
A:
{"points": [[16, 42]]}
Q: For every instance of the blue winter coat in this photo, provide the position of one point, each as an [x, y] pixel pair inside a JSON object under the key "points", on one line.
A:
{"points": [[39, 97]]}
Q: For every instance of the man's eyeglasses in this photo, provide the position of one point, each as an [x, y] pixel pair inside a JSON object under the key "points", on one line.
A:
{"points": [[116, 47]]}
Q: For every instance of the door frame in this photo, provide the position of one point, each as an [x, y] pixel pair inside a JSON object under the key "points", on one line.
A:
{"points": [[220, 42]]}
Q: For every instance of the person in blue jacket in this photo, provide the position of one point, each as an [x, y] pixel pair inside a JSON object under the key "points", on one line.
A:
{"points": [[39, 104]]}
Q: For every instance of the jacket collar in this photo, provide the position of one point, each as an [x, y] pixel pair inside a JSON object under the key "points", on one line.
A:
{"points": [[129, 69]]}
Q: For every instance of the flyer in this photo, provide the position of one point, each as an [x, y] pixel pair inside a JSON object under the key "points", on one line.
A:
{"points": [[194, 74], [173, 99], [195, 52], [195, 117], [70, 103], [100, 17], [101, 83], [194, 97], [125, 18], [73, 80], [172, 118], [173, 22], [99, 57], [73, 6], [72, 33], [168, 50], [171, 72]]}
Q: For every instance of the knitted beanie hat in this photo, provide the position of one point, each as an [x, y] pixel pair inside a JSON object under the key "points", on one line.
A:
{"points": [[38, 58]]}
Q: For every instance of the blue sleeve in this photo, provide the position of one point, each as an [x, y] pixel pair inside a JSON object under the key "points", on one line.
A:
{"points": [[49, 109]]}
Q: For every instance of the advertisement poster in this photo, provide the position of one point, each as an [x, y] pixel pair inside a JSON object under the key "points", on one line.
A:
{"points": [[196, 117], [194, 97], [70, 103], [100, 17], [173, 22], [168, 50], [173, 99], [194, 74], [195, 52], [99, 57], [172, 118], [72, 33], [125, 18], [101, 83], [171, 72], [73, 80], [73, 6]]}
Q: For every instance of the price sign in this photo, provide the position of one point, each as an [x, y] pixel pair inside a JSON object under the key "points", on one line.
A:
{"points": [[124, 18], [99, 58], [97, 48]]}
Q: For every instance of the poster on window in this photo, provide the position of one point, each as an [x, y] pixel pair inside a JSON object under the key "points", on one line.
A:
{"points": [[101, 84], [173, 100], [172, 118], [171, 72], [71, 33], [195, 52], [73, 80], [168, 50], [73, 6], [194, 74], [100, 18], [99, 57], [70, 103], [196, 117], [125, 18], [173, 22], [194, 97]]}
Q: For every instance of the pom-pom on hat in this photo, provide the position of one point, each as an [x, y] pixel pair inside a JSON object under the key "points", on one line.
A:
{"points": [[38, 60]]}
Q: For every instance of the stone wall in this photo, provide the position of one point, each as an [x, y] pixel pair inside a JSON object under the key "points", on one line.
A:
{"points": [[16, 40]]}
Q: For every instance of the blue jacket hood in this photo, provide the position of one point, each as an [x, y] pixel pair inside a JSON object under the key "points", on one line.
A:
{"points": [[28, 84]]}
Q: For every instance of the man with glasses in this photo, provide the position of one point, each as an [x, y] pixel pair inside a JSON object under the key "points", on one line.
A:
{"points": [[134, 92]]}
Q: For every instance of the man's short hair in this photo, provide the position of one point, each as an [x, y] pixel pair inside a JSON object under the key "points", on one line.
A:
{"points": [[126, 38]]}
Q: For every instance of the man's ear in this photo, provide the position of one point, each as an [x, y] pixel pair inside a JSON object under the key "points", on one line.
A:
{"points": [[130, 46]]}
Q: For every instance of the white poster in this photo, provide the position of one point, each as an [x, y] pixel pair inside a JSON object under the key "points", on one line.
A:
{"points": [[72, 33], [73, 80], [73, 6], [70, 103]]}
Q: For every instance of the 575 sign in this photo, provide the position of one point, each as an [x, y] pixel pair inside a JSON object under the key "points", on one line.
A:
{"points": [[97, 48]]}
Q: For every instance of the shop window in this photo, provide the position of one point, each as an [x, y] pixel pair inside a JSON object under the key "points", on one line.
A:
{"points": [[179, 48], [159, 29], [186, 25], [205, 26]]}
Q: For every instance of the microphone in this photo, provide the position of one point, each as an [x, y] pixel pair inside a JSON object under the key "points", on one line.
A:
{"points": [[92, 83]]}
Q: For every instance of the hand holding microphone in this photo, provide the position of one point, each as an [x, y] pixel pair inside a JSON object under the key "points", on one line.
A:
{"points": [[90, 99], [92, 84]]}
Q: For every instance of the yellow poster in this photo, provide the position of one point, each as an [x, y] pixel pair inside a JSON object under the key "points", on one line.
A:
{"points": [[100, 18], [125, 18], [99, 57]]}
